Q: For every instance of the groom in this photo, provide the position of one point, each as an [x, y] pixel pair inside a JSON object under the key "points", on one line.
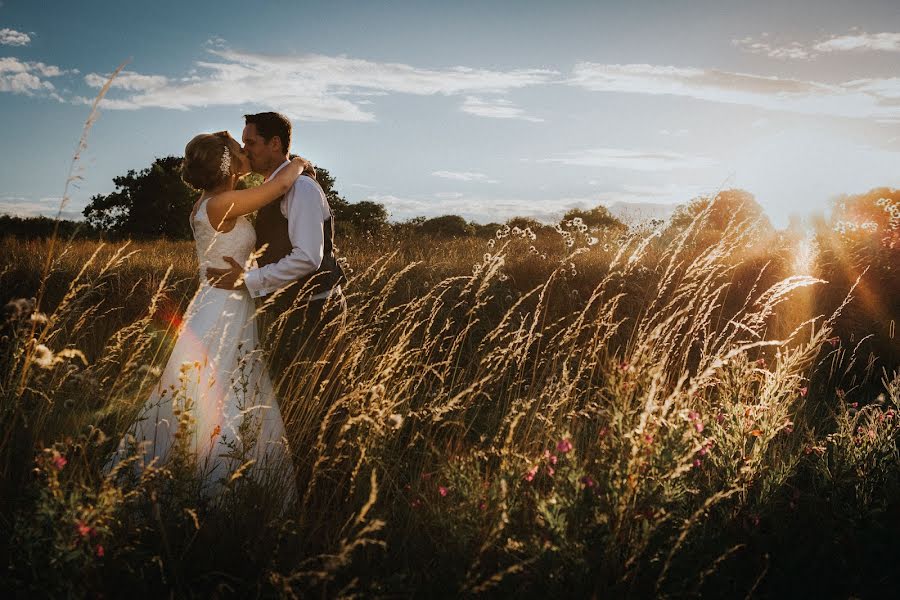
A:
{"points": [[297, 231]]}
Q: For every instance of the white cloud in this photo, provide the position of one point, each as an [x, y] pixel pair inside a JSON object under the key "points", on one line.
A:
{"points": [[495, 108], [869, 98], [27, 78], [674, 132], [851, 42], [636, 160], [464, 176], [310, 87], [127, 80], [11, 37], [21, 206], [789, 51], [869, 42]]}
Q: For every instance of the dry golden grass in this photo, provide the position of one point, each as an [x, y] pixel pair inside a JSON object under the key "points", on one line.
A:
{"points": [[553, 412]]}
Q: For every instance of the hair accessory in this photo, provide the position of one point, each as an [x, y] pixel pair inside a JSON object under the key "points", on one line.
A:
{"points": [[225, 167]]}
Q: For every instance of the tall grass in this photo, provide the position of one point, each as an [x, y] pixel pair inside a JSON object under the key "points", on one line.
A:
{"points": [[658, 412]]}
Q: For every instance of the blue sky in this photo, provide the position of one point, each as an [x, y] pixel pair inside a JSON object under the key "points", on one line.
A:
{"points": [[485, 109]]}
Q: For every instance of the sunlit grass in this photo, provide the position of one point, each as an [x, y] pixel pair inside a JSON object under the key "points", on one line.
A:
{"points": [[589, 412]]}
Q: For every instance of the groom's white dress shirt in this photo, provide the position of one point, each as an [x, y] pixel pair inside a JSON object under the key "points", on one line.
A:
{"points": [[306, 209]]}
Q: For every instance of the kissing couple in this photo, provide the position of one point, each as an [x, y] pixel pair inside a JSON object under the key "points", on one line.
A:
{"points": [[218, 395]]}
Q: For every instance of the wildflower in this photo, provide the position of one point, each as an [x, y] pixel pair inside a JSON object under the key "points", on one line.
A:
{"points": [[761, 363], [803, 392], [150, 370], [442, 490], [563, 446], [482, 505], [529, 475], [587, 481], [833, 341], [18, 310], [83, 528], [59, 461], [697, 463], [43, 356], [854, 405], [100, 551], [550, 471], [694, 417], [215, 432], [720, 418], [648, 438], [624, 366], [39, 318]]}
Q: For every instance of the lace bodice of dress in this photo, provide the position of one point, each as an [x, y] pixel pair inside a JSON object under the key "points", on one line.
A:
{"points": [[212, 245]]}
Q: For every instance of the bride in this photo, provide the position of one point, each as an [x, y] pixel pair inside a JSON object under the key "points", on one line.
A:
{"points": [[215, 400]]}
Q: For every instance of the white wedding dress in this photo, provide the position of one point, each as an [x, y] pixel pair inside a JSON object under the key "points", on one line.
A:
{"points": [[216, 382]]}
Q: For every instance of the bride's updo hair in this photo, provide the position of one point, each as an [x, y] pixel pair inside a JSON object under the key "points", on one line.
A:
{"points": [[202, 167]]}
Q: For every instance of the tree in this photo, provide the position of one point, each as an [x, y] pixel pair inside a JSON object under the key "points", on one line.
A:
{"points": [[447, 226], [154, 202], [598, 217], [726, 205], [364, 217]]}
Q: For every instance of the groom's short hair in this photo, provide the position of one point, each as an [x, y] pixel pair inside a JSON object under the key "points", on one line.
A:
{"points": [[270, 124]]}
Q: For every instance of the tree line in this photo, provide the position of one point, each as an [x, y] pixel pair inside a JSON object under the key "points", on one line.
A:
{"points": [[156, 203]]}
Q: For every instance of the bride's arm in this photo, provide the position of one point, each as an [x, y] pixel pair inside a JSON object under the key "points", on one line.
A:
{"points": [[230, 205]]}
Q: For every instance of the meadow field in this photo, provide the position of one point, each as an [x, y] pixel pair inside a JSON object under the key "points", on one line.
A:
{"points": [[701, 407]]}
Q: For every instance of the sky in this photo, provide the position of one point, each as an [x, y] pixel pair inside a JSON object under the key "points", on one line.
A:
{"points": [[484, 109]]}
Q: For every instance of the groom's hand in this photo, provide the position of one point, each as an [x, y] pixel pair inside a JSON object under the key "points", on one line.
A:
{"points": [[226, 279]]}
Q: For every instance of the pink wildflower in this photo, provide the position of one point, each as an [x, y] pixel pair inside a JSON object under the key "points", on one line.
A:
{"points": [[550, 471], [59, 461], [803, 392], [100, 551], [697, 463], [761, 363], [442, 490], [587, 481], [698, 425], [83, 528], [552, 459], [482, 505], [529, 475], [833, 341], [563, 446]]}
